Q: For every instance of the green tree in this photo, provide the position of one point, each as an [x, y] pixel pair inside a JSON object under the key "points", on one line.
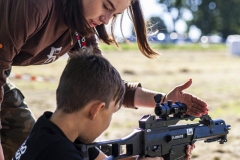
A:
{"points": [[175, 8], [211, 17], [157, 24], [216, 16]]}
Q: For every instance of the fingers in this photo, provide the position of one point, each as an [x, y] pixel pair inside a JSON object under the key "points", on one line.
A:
{"points": [[193, 146], [197, 110], [198, 101], [194, 114], [185, 85], [196, 106], [189, 151], [149, 158], [188, 158], [199, 107], [190, 148]]}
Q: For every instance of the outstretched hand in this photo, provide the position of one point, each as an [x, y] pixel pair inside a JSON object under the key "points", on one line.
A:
{"points": [[195, 106]]}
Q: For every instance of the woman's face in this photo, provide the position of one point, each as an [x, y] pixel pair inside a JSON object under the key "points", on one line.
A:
{"points": [[98, 12]]}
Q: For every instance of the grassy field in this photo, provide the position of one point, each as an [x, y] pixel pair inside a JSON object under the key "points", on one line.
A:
{"points": [[167, 46], [216, 80]]}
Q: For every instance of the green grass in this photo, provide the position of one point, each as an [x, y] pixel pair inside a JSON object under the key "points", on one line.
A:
{"points": [[159, 46], [227, 108]]}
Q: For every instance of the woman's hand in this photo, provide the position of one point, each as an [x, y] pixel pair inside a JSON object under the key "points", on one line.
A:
{"points": [[195, 106]]}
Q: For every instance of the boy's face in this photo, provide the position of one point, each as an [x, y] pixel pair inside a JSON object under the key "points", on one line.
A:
{"points": [[101, 122], [106, 116]]}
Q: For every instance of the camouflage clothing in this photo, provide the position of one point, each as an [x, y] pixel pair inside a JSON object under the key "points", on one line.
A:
{"points": [[16, 118]]}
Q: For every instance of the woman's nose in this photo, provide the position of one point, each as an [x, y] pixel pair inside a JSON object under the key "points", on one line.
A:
{"points": [[105, 19]]}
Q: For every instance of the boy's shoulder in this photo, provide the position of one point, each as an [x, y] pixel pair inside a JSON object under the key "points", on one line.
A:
{"points": [[47, 141], [60, 149]]}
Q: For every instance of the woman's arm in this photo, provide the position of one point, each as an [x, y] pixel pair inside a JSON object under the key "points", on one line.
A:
{"points": [[196, 106]]}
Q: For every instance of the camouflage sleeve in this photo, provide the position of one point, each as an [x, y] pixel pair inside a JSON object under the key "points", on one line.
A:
{"points": [[128, 101], [3, 76], [1, 99]]}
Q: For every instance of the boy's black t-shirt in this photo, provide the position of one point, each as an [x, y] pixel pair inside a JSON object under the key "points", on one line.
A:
{"points": [[48, 142]]}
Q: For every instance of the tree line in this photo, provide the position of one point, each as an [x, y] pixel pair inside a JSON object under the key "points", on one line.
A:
{"points": [[211, 17]]}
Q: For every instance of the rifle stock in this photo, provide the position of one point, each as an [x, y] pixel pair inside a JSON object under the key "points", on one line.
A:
{"points": [[162, 137]]}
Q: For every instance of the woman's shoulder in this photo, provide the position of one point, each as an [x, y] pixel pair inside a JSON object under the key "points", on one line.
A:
{"points": [[41, 10], [44, 6]]}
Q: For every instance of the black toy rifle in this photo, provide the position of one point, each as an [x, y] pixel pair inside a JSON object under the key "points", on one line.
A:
{"points": [[161, 136]]}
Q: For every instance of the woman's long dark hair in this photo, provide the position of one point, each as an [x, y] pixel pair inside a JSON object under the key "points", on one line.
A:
{"points": [[140, 29], [76, 22], [75, 19]]}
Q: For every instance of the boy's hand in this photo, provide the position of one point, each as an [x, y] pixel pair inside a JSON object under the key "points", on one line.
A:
{"points": [[149, 158], [189, 151]]}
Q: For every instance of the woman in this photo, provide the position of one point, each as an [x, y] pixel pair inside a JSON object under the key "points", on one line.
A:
{"points": [[36, 32]]}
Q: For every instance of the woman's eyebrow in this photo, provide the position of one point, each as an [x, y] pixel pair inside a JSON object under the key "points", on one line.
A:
{"points": [[111, 4]]}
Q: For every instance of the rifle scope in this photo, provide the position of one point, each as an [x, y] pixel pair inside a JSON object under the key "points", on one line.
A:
{"points": [[168, 108]]}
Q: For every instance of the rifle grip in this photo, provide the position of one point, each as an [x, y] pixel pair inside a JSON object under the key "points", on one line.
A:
{"points": [[177, 152]]}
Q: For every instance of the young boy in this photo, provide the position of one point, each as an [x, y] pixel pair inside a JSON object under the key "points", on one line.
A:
{"points": [[89, 92]]}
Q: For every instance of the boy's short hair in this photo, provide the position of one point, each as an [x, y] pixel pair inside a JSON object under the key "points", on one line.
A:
{"points": [[88, 77]]}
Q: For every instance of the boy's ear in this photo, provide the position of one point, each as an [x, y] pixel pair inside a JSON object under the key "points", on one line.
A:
{"points": [[95, 108]]}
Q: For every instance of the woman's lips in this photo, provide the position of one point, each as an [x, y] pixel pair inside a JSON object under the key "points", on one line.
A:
{"points": [[92, 24]]}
